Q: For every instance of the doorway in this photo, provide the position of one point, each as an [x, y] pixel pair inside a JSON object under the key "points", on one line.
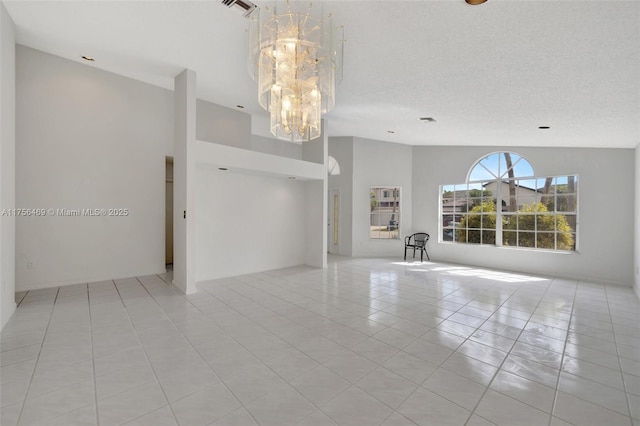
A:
{"points": [[168, 227]]}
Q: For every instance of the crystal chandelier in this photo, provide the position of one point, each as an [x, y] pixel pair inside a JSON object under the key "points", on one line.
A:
{"points": [[297, 59]]}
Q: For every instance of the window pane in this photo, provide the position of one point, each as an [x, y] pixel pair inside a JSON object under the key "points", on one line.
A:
{"points": [[374, 228], [509, 221], [477, 190], [545, 222], [526, 222], [527, 193], [546, 240], [489, 221], [460, 234], [462, 220], [510, 238], [385, 212], [448, 231], [523, 168], [374, 232], [473, 220], [566, 241], [485, 169], [502, 166], [473, 236], [526, 239], [536, 212], [488, 237], [570, 220], [473, 203], [566, 203]]}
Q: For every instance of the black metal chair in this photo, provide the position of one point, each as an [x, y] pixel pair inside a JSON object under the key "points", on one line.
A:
{"points": [[417, 241]]}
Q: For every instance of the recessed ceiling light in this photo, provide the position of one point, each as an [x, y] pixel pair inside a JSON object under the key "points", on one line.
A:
{"points": [[428, 119], [223, 168], [543, 127], [390, 131], [88, 58], [292, 177], [240, 106], [475, 2]]}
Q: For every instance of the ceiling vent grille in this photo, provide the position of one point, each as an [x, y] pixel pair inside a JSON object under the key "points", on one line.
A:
{"points": [[244, 7]]}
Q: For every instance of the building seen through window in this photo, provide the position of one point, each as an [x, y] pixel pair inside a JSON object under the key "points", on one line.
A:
{"points": [[503, 203], [384, 217]]}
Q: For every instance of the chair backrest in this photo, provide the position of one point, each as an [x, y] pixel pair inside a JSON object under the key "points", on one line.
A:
{"points": [[421, 238]]}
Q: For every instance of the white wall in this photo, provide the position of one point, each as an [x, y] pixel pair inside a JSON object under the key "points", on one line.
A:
{"points": [[636, 284], [341, 148], [88, 139], [184, 138], [606, 210], [231, 127], [252, 217], [377, 163], [92, 139], [222, 125], [248, 223], [7, 166], [276, 147], [317, 152]]}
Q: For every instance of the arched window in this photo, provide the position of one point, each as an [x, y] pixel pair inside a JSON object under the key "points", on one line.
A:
{"points": [[333, 168], [534, 212], [500, 165]]}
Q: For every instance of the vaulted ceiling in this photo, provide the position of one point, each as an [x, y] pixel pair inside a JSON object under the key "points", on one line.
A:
{"points": [[489, 74]]}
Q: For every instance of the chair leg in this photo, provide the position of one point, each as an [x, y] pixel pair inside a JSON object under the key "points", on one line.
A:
{"points": [[405, 253], [427, 253], [421, 250]]}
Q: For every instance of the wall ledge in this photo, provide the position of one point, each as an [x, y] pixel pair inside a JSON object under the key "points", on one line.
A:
{"points": [[213, 155]]}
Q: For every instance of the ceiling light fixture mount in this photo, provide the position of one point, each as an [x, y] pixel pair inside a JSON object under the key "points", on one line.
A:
{"points": [[296, 56], [88, 58], [475, 2]]}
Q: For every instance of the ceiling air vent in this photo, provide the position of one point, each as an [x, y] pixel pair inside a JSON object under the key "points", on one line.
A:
{"points": [[244, 7]]}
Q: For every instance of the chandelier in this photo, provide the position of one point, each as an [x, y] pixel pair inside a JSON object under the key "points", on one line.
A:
{"points": [[297, 59]]}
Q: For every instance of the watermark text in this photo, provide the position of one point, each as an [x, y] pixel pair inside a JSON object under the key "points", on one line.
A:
{"points": [[59, 212]]}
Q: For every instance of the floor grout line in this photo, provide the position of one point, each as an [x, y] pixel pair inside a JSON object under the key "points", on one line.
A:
{"points": [[338, 300], [624, 385], [35, 365], [155, 374], [93, 361]]}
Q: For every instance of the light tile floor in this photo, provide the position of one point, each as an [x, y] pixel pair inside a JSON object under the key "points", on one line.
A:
{"points": [[364, 342]]}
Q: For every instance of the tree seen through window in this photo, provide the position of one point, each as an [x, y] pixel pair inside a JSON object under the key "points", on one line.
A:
{"points": [[534, 212]]}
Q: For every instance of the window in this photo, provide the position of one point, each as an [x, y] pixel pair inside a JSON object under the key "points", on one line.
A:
{"points": [[534, 212], [384, 220]]}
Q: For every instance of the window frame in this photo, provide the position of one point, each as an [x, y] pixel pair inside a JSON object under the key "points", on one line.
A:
{"points": [[393, 232], [458, 208]]}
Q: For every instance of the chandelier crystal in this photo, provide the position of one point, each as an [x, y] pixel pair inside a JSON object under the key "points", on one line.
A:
{"points": [[297, 59]]}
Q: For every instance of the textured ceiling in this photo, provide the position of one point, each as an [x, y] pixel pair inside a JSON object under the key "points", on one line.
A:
{"points": [[489, 74]]}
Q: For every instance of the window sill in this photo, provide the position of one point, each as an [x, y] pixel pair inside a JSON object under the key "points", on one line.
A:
{"points": [[528, 249]]}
